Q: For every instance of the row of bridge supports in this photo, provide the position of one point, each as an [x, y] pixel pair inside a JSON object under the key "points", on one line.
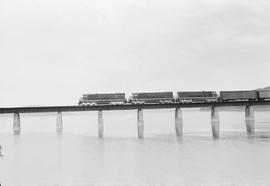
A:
{"points": [[249, 118]]}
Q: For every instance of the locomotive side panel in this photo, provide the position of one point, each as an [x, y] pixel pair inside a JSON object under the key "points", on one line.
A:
{"points": [[197, 96], [109, 98], [152, 97]]}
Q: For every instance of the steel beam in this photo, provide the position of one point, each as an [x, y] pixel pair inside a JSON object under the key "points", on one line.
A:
{"points": [[128, 106]]}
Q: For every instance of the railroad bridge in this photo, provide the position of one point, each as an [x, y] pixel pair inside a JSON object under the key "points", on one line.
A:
{"points": [[249, 114]]}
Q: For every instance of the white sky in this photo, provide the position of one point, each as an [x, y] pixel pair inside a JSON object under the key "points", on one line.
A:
{"points": [[52, 51]]}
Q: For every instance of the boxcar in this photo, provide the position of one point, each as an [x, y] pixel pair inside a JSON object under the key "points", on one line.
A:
{"points": [[100, 99], [238, 95], [263, 94], [152, 97], [197, 96]]}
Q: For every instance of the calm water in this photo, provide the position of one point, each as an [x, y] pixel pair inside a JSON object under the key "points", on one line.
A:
{"points": [[40, 157]]}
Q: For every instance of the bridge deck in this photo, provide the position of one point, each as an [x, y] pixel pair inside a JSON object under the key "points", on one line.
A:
{"points": [[76, 108]]}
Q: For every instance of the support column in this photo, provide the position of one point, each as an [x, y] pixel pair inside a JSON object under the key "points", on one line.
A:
{"points": [[178, 122], [59, 123], [140, 123], [100, 124], [215, 122], [250, 120], [16, 123]]}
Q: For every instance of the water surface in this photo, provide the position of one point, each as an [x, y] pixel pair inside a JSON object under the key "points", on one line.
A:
{"points": [[40, 157]]}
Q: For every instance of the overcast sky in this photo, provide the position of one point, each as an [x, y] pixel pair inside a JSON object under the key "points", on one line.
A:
{"points": [[52, 51]]}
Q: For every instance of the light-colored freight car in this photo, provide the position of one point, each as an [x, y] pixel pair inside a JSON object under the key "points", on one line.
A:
{"points": [[152, 97], [103, 99], [243, 95], [197, 96], [264, 95]]}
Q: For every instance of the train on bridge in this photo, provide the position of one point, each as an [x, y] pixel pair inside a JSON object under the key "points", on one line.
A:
{"points": [[169, 97], [154, 100]]}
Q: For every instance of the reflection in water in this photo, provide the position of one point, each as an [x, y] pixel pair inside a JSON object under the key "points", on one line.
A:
{"points": [[78, 157]]}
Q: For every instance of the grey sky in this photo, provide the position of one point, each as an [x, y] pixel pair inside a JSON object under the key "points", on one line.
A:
{"points": [[52, 51]]}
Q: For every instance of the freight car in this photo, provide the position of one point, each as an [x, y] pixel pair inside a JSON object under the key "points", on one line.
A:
{"points": [[103, 99], [151, 97], [197, 96], [244, 95], [264, 94]]}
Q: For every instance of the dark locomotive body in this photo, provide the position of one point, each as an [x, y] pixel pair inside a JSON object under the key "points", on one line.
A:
{"points": [[103, 99], [197, 96], [152, 97]]}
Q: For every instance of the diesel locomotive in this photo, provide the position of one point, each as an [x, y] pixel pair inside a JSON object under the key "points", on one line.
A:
{"points": [[103, 99]]}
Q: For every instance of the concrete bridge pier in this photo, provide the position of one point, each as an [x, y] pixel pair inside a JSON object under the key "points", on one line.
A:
{"points": [[59, 123], [178, 122], [250, 120], [140, 123], [16, 123], [100, 124], [215, 122]]}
